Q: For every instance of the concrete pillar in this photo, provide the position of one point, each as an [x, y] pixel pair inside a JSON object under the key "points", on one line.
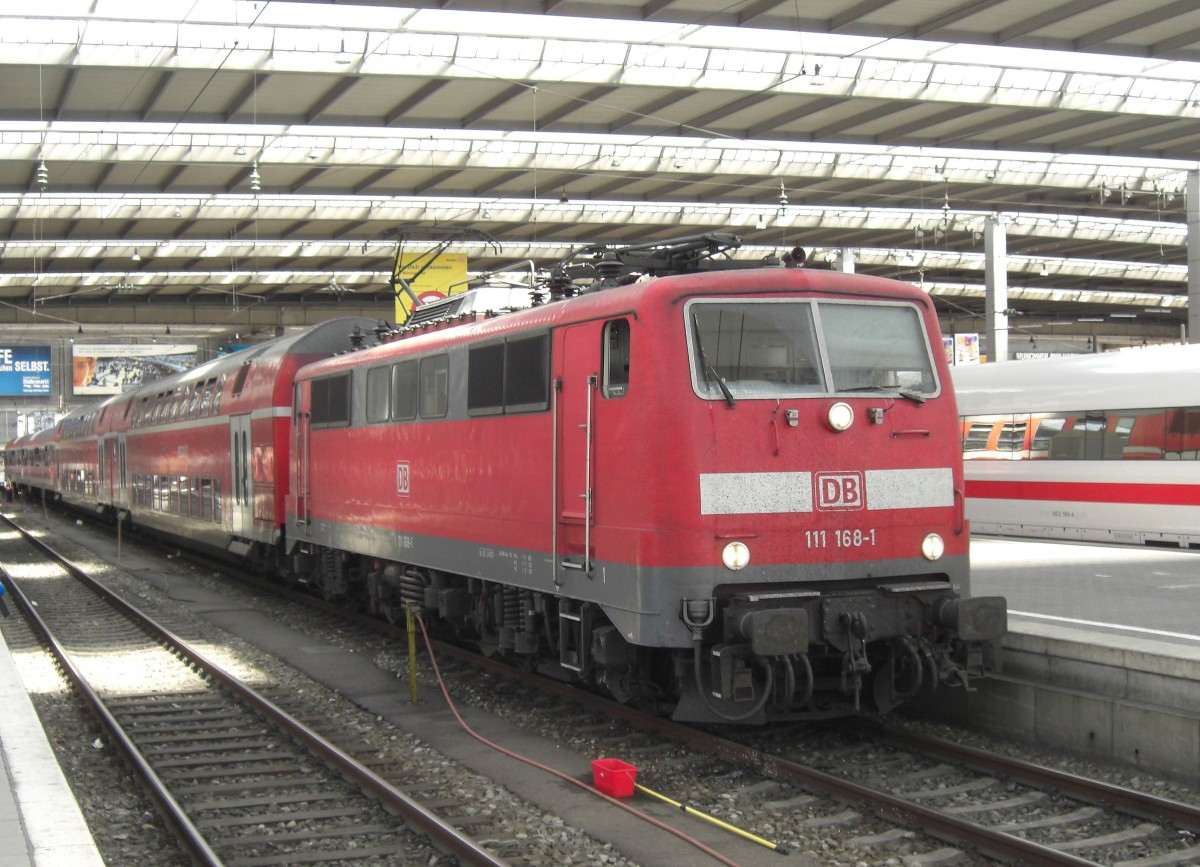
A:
{"points": [[845, 260], [1193, 255], [995, 283]]}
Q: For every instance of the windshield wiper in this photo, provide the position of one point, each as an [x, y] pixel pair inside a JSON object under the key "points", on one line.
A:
{"points": [[709, 370], [914, 396]]}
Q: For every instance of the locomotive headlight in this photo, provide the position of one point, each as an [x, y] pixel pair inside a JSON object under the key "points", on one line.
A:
{"points": [[933, 547], [840, 416], [735, 556]]}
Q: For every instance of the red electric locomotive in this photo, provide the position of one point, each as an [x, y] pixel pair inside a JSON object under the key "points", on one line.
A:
{"points": [[732, 493]]}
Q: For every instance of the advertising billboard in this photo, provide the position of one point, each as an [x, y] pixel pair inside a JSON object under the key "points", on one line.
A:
{"points": [[113, 368], [24, 370], [430, 278]]}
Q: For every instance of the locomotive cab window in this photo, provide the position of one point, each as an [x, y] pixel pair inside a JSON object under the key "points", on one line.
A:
{"points": [[774, 348], [877, 346], [754, 349], [616, 358]]}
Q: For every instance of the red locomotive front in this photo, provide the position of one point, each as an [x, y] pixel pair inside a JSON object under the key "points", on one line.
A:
{"points": [[734, 494]]}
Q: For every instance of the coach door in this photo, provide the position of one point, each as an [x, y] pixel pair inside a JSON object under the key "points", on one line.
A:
{"points": [[575, 474], [241, 497], [112, 470], [119, 476]]}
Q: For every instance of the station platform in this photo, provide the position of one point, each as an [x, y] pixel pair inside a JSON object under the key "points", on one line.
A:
{"points": [[40, 821], [1102, 657], [1136, 592]]}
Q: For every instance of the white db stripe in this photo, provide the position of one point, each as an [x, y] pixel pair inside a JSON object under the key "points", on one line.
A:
{"points": [[776, 493], [910, 489], [755, 493]]}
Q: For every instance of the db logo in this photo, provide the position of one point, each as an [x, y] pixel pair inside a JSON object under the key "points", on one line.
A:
{"points": [[839, 491]]}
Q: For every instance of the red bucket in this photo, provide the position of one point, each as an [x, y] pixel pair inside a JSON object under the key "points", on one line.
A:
{"points": [[614, 777]]}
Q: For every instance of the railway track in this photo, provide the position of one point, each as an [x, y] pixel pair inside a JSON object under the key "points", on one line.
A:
{"points": [[238, 780], [1002, 808], [871, 793]]}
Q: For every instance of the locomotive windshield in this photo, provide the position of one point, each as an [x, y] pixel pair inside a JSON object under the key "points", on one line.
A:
{"points": [[782, 348]]}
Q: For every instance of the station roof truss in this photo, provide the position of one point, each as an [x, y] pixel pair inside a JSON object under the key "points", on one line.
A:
{"points": [[247, 154]]}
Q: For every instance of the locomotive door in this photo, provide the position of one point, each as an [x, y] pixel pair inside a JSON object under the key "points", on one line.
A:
{"points": [[241, 497], [302, 425], [575, 471]]}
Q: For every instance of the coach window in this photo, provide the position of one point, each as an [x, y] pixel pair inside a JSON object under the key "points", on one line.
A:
{"points": [[404, 391], [331, 401], [239, 381], [1182, 438], [206, 397], [1011, 440], [485, 380], [434, 386], [217, 395], [379, 386], [616, 358], [977, 436], [527, 374], [206, 499], [194, 403]]}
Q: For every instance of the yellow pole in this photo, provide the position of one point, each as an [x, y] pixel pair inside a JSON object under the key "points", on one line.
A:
{"points": [[714, 820], [410, 624]]}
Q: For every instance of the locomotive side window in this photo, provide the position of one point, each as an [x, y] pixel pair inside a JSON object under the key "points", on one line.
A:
{"points": [[379, 388], [485, 380], [331, 401], [404, 391], [527, 374], [434, 386], [616, 358], [509, 377]]}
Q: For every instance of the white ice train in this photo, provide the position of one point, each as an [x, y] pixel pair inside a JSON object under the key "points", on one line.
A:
{"points": [[1100, 447]]}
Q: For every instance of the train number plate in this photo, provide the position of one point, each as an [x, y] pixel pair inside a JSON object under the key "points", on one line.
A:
{"points": [[840, 538]]}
